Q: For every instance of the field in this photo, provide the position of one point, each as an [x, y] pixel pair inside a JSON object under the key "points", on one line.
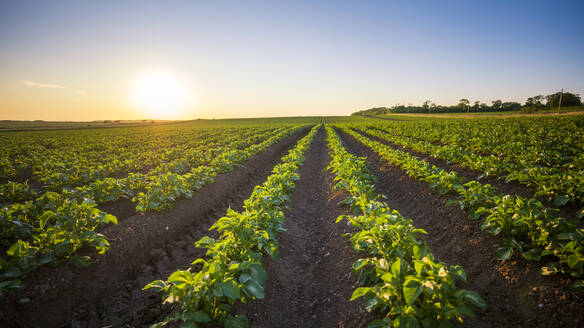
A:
{"points": [[294, 222]]}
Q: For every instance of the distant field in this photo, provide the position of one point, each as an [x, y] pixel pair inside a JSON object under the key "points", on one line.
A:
{"points": [[7, 125], [578, 110]]}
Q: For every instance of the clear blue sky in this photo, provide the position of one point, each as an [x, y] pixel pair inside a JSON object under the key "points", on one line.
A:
{"points": [[270, 58]]}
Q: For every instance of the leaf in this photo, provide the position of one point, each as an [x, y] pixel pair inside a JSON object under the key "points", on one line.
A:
{"points": [[47, 259], [411, 289], [244, 278], [458, 272], [199, 316], [108, 218], [533, 254], [504, 252], [236, 322], [156, 284], [359, 292], [81, 261], [561, 200], [573, 260], [230, 289], [549, 270], [475, 298], [252, 288]]}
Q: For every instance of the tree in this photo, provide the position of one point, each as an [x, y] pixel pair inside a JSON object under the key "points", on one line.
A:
{"points": [[535, 102], [476, 106], [427, 105], [568, 99], [496, 105], [510, 105], [464, 103]]}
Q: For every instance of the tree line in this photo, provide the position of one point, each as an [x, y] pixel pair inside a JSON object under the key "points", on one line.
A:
{"points": [[464, 105]]}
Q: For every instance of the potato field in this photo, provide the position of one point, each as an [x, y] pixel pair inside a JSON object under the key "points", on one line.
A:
{"points": [[298, 222]]}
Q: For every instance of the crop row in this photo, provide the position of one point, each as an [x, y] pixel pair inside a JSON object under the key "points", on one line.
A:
{"points": [[53, 227], [536, 141], [232, 269], [561, 185], [526, 225], [400, 277], [58, 160], [178, 157]]}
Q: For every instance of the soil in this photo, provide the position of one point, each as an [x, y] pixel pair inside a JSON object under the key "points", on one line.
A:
{"points": [[143, 248], [311, 283], [516, 294]]}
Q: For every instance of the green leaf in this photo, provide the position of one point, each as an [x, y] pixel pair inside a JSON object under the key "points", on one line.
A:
{"points": [[108, 218], [411, 289], [199, 316], [156, 284], [475, 298], [236, 322], [504, 252], [533, 254], [561, 200], [230, 289], [361, 291], [81, 261], [252, 288], [458, 272], [573, 260]]}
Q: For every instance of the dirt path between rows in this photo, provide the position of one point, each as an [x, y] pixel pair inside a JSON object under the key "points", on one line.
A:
{"points": [[503, 187], [143, 248], [311, 283], [516, 294]]}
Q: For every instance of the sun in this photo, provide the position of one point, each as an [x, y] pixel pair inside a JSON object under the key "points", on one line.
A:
{"points": [[159, 95]]}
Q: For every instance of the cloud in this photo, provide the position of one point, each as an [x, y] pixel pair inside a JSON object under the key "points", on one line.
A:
{"points": [[52, 86]]}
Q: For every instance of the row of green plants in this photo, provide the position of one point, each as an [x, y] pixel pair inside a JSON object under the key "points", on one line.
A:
{"points": [[525, 225], [560, 185], [156, 190], [179, 158], [399, 277], [53, 227], [57, 159], [536, 141], [232, 269]]}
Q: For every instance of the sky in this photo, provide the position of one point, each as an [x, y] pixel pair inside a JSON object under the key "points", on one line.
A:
{"points": [[82, 60]]}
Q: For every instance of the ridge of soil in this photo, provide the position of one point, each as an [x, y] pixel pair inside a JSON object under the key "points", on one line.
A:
{"points": [[143, 248], [512, 187], [516, 294], [310, 284]]}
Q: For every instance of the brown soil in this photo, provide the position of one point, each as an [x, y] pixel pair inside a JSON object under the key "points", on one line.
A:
{"points": [[503, 187], [516, 294], [143, 248], [311, 283]]}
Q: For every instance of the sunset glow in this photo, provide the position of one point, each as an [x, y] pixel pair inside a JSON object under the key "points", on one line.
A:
{"points": [[159, 95]]}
